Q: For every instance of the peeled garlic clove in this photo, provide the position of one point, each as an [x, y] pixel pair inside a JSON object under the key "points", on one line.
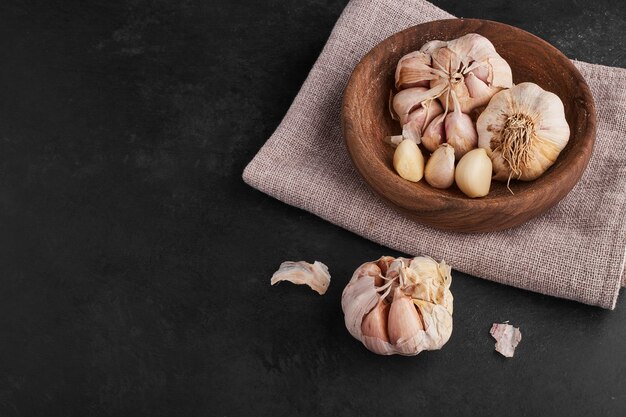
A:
{"points": [[439, 171], [404, 321], [360, 297], [473, 173], [408, 161], [524, 129], [434, 134], [314, 275]]}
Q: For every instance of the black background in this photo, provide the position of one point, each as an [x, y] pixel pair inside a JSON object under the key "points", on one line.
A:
{"points": [[135, 263]]}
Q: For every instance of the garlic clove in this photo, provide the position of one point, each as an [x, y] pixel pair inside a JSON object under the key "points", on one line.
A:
{"points": [[480, 92], [408, 100], [439, 171], [473, 46], [413, 70], [460, 133], [404, 321], [500, 74], [419, 118], [432, 46], [408, 161], [375, 322], [359, 297], [434, 134], [473, 173], [482, 73]]}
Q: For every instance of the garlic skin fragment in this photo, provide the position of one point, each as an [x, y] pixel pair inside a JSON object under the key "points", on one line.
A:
{"points": [[523, 129], [399, 305], [408, 161], [473, 173], [507, 338], [439, 171], [314, 275]]}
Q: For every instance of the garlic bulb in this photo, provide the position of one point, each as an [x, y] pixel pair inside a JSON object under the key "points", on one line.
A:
{"points": [[524, 129], [399, 305], [473, 173], [439, 171], [408, 161], [468, 66]]}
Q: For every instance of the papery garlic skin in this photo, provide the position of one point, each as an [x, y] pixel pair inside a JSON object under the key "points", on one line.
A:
{"points": [[439, 171], [473, 173], [408, 161], [314, 275], [413, 295], [523, 129]]}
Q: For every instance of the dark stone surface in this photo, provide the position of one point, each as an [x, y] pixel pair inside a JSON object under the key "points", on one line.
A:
{"points": [[134, 275]]}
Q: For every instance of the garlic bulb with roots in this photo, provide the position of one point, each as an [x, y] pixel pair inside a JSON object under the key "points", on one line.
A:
{"points": [[468, 66], [523, 130], [399, 305]]}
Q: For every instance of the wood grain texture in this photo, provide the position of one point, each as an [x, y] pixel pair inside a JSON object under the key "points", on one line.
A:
{"points": [[366, 122]]}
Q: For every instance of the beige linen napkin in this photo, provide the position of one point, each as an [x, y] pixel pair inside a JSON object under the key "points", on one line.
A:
{"points": [[574, 251]]}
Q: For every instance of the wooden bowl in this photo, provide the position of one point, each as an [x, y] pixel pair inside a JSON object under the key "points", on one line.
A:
{"points": [[366, 121]]}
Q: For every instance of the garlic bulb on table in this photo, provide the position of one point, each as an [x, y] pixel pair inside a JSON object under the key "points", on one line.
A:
{"points": [[399, 305], [523, 129]]}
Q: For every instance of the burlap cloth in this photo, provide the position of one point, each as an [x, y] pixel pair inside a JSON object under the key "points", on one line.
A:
{"points": [[574, 251]]}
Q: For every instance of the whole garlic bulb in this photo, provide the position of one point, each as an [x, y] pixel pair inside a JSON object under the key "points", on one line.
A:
{"points": [[523, 129], [399, 305], [468, 66]]}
